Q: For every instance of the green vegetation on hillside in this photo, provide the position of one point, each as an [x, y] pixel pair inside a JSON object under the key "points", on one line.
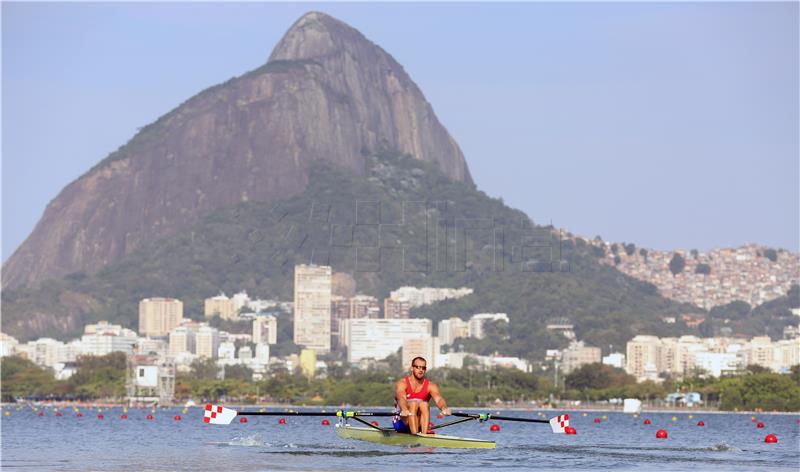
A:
{"points": [[402, 223]]}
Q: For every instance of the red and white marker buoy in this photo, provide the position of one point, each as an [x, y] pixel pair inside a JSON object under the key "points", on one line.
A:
{"points": [[325, 422], [771, 438], [661, 434], [282, 421], [646, 421], [242, 420], [494, 428]]}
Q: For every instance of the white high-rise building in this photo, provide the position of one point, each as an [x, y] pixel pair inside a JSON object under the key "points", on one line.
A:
{"points": [[265, 329], [476, 323], [452, 329], [102, 343], [312, 307], [643, 354], [7, 345], [207, 342], [181, 340], [262, 353], [379, 338], [157, 316]]}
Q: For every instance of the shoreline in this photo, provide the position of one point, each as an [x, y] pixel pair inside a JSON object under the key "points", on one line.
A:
{"points": [[291, 407]]}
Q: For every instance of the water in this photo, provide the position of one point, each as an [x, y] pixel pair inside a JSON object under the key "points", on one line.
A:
{"points": [[68, 443]]}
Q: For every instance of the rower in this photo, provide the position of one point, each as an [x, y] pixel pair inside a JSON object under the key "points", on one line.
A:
{"points": [[412, 396]]}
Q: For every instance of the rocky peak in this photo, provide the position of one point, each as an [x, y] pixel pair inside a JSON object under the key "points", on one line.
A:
{"points": [[326, 93]]}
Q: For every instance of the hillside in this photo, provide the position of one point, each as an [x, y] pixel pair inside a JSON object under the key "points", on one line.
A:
{"points": [[447, 233]]}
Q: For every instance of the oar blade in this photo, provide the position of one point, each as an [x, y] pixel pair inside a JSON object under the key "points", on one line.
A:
{"points": [[216, 414], [559, 423]]}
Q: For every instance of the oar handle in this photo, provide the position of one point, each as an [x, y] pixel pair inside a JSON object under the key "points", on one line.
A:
{"points": [[489, 416]]}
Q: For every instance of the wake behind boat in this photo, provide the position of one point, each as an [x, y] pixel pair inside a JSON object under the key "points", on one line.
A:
{"points": [[216, 414]]}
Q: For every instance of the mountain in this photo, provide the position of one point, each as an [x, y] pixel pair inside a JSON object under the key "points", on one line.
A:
{"points": [[401, 222], [326, 93]]}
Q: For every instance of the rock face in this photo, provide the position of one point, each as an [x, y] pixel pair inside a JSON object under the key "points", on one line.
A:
{"points": [[326, 93]]}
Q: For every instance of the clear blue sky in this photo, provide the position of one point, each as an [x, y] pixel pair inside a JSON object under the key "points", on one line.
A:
{"points": [[667, 125]]}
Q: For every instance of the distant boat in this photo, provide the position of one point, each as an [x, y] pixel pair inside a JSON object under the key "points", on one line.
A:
{"points": [[632, 406]]}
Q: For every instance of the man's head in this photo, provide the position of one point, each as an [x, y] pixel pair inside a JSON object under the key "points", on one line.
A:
{"points": [[418, 367]]}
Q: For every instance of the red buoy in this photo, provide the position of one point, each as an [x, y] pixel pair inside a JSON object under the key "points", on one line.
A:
{"points": [[439, 416], [177, 417], [753, 419], [123, 416], [373, 423], [597, 420], [646, 421], [282, 421], [701, 423], [760, 425], [78, 414], [149, 417], [41, 413], [58, 413], [771, 438], [100, 416], [430, 424], [570, 430], [494, 428], [325, 422], [242, 420], [661, 434]]}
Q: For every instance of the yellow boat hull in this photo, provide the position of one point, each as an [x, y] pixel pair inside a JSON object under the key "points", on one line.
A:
{"points": [[393, 438]]}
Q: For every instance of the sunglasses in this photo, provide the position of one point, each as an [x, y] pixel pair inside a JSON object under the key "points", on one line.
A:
{"points": [[420, 367]]}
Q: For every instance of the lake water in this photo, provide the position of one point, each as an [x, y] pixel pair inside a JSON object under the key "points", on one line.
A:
{"points": [[621, 442]]}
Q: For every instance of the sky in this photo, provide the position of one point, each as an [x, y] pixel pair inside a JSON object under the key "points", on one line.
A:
{"points": [[672, 126]]}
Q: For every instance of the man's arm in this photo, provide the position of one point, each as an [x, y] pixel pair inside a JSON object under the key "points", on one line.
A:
{"points": [[400, 397], [438, 399]]}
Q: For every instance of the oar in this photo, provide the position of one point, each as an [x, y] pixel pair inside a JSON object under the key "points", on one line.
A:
{"points": [[217, 414], [558, 424]]}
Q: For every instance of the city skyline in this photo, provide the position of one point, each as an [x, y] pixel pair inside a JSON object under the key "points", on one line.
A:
{"points": [[677, 119]]}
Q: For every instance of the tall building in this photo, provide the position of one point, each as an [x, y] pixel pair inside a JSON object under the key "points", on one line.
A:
{"points": [[340, 310], [265, 329], [312, 307], [157, 316], [378, 338], [221, 306], [452, 329], [577, 355], [364, 306], [425, 346], [396, 309], [181, 340], [477, 322], [207, 342], [7, 345], [642, 355]]}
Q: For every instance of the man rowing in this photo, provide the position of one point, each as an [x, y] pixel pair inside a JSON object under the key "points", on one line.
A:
{"points": [[412, 400]]}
